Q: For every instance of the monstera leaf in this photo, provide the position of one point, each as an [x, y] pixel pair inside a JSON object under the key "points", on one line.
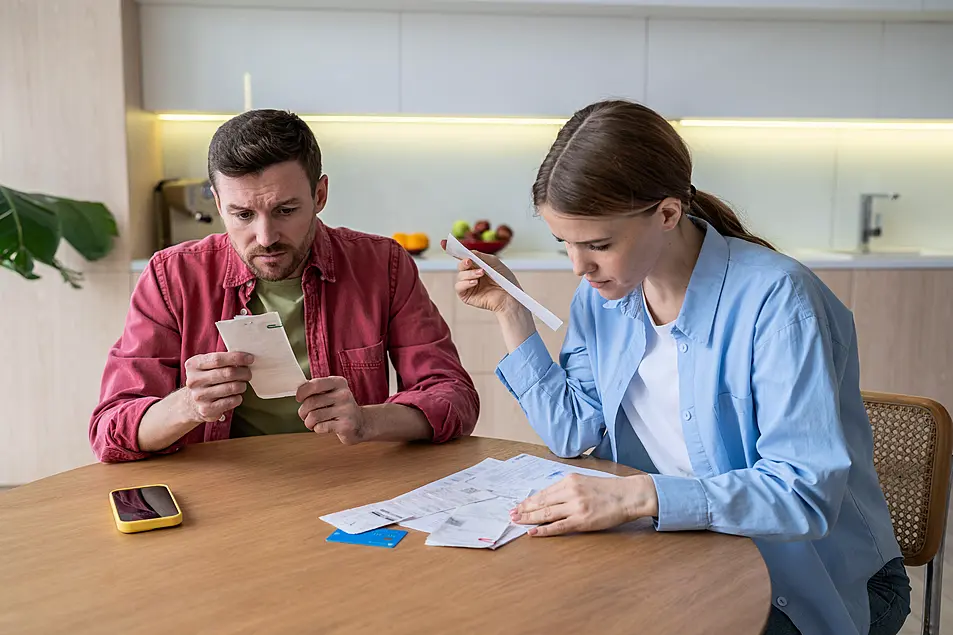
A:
{"points": [[31, 226]]}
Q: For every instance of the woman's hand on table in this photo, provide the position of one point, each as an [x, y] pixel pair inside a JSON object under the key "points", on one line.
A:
{"points": [[587, 503]]}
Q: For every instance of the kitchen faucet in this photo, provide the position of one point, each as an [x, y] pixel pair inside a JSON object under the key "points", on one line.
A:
{"points": [[870, 225]]}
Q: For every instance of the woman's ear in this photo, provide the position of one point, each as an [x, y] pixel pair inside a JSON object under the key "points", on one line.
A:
{"points": [[671, 211]]}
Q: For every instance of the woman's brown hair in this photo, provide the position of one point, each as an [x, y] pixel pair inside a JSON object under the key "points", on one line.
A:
{"points": [[618, 157]]}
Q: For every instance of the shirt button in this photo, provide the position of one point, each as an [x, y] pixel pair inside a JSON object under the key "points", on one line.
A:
{"points": [[782, 601], [686, 415], [683, 347], [250, 283], [244, 312], [222, 418]]}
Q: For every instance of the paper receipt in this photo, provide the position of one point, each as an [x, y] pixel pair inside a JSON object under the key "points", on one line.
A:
{"points": [[275, 371], [457, 250]]}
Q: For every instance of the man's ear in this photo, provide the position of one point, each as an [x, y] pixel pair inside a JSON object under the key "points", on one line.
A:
{"points": [[218, 203], [321, 194]]}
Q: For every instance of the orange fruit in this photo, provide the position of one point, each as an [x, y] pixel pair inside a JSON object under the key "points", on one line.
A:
{"points": [[401, 239], [417, 242]]}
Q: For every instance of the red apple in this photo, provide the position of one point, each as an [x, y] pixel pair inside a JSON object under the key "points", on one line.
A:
{"points": [[504, 233], [480, 226]]}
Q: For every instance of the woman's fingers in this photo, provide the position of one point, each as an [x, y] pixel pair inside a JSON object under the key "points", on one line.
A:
{"points": [[547, 514], [555, 529]]}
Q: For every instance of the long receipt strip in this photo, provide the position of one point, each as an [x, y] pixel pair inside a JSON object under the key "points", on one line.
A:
{"points": [[275, 371], [467, 509], [457, 250]]}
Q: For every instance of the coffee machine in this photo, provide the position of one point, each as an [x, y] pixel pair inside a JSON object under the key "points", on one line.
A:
{"points": [[185, 211]]}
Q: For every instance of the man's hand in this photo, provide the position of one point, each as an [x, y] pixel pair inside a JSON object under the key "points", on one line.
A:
{"points": [[327, 405], [214, 383]]}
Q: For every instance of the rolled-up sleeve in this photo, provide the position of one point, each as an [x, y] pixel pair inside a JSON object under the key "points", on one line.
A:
{"points": [[142, 367], [429, 373]]}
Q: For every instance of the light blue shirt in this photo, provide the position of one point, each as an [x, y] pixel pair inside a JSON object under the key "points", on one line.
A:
{"points": [[775, 425]]}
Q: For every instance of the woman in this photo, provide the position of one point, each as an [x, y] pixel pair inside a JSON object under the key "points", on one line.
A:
{"points": [[698, 354]]}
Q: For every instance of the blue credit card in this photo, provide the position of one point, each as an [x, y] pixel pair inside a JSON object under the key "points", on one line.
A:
{"points": [[375, 537]]}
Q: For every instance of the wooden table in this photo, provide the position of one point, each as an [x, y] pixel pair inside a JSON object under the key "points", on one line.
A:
{"points": [[251, 556]]}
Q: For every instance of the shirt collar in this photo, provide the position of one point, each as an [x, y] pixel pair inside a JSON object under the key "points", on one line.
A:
{"points": [[320, 258], [697, 317]]}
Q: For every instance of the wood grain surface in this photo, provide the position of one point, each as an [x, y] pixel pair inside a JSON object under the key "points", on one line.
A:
{"points": [[251, 555]]}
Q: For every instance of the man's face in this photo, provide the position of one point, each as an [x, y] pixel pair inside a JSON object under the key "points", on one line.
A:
{"points": [[271, 217]]}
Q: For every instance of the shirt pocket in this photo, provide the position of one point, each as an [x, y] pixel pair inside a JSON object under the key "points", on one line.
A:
{"points": [[366, 373]]}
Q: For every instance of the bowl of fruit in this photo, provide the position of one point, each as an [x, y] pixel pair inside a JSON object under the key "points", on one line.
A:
{"points": [[482, 237], [415, 244]]}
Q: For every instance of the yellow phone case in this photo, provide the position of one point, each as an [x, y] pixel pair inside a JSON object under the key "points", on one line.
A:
{"points": [[134, 526]]}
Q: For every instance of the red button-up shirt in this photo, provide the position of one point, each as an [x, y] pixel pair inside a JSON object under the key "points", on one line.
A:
{"points": [[363, 299]]}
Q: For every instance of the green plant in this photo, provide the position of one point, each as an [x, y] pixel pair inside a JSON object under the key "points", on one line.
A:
{"points": [[31, 226]]}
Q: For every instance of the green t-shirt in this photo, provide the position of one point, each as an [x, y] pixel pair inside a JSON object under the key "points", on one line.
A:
{"points": [[256, 416]]}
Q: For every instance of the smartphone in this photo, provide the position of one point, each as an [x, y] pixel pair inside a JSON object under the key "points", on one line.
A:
{"points": [[143, 508]]}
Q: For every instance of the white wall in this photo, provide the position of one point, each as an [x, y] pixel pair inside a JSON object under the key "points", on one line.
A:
{"points": [[799, 188]]}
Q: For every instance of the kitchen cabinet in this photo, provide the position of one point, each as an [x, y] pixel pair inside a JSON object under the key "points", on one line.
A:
{"points": [[903, 331], [324, 61], [517, 65], [817, 8], [763, 69], [195, 58], [840, 281], [918, 75]]}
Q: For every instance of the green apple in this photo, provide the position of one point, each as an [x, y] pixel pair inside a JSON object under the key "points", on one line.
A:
{"points": [[460, 229], [488, 236]]}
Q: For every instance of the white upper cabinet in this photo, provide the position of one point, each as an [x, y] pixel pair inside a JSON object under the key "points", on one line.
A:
{"points": [[517, 65], [918, 71], [705, 68], [817, 7], [194, 59]]}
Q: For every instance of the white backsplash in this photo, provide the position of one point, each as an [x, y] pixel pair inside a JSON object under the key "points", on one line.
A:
{"points": [[800, 188]]}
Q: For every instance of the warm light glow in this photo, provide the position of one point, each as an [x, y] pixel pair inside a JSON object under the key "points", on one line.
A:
{"points": [[506, 121], [556, 121], [819, 124]]}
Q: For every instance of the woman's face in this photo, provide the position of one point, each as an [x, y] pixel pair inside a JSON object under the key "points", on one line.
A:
{"points": [[614, 253]]}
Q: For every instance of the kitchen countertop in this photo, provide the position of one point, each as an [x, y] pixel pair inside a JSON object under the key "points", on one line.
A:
{"points": [[813, 258]]}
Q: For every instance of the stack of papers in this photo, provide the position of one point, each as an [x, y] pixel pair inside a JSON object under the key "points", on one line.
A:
{"points": [[470, 508]]}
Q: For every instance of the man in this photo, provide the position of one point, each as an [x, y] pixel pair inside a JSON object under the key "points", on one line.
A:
{"points": [[346, 299]]}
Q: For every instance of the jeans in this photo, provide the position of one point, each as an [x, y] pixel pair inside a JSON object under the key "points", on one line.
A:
{"points": [[889, 592]]}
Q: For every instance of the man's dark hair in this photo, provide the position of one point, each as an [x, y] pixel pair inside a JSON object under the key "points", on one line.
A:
{"points": [[254, 140]]}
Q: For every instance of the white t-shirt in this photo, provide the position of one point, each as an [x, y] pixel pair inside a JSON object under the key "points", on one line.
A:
{"points": [[651, 402]]}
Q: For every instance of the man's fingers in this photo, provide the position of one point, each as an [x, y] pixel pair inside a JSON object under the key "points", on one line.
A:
{"points": [[320, 385], [216, 376], [211, 361], [331, 419], [219, 391], [211, 411], [317, 402]]}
